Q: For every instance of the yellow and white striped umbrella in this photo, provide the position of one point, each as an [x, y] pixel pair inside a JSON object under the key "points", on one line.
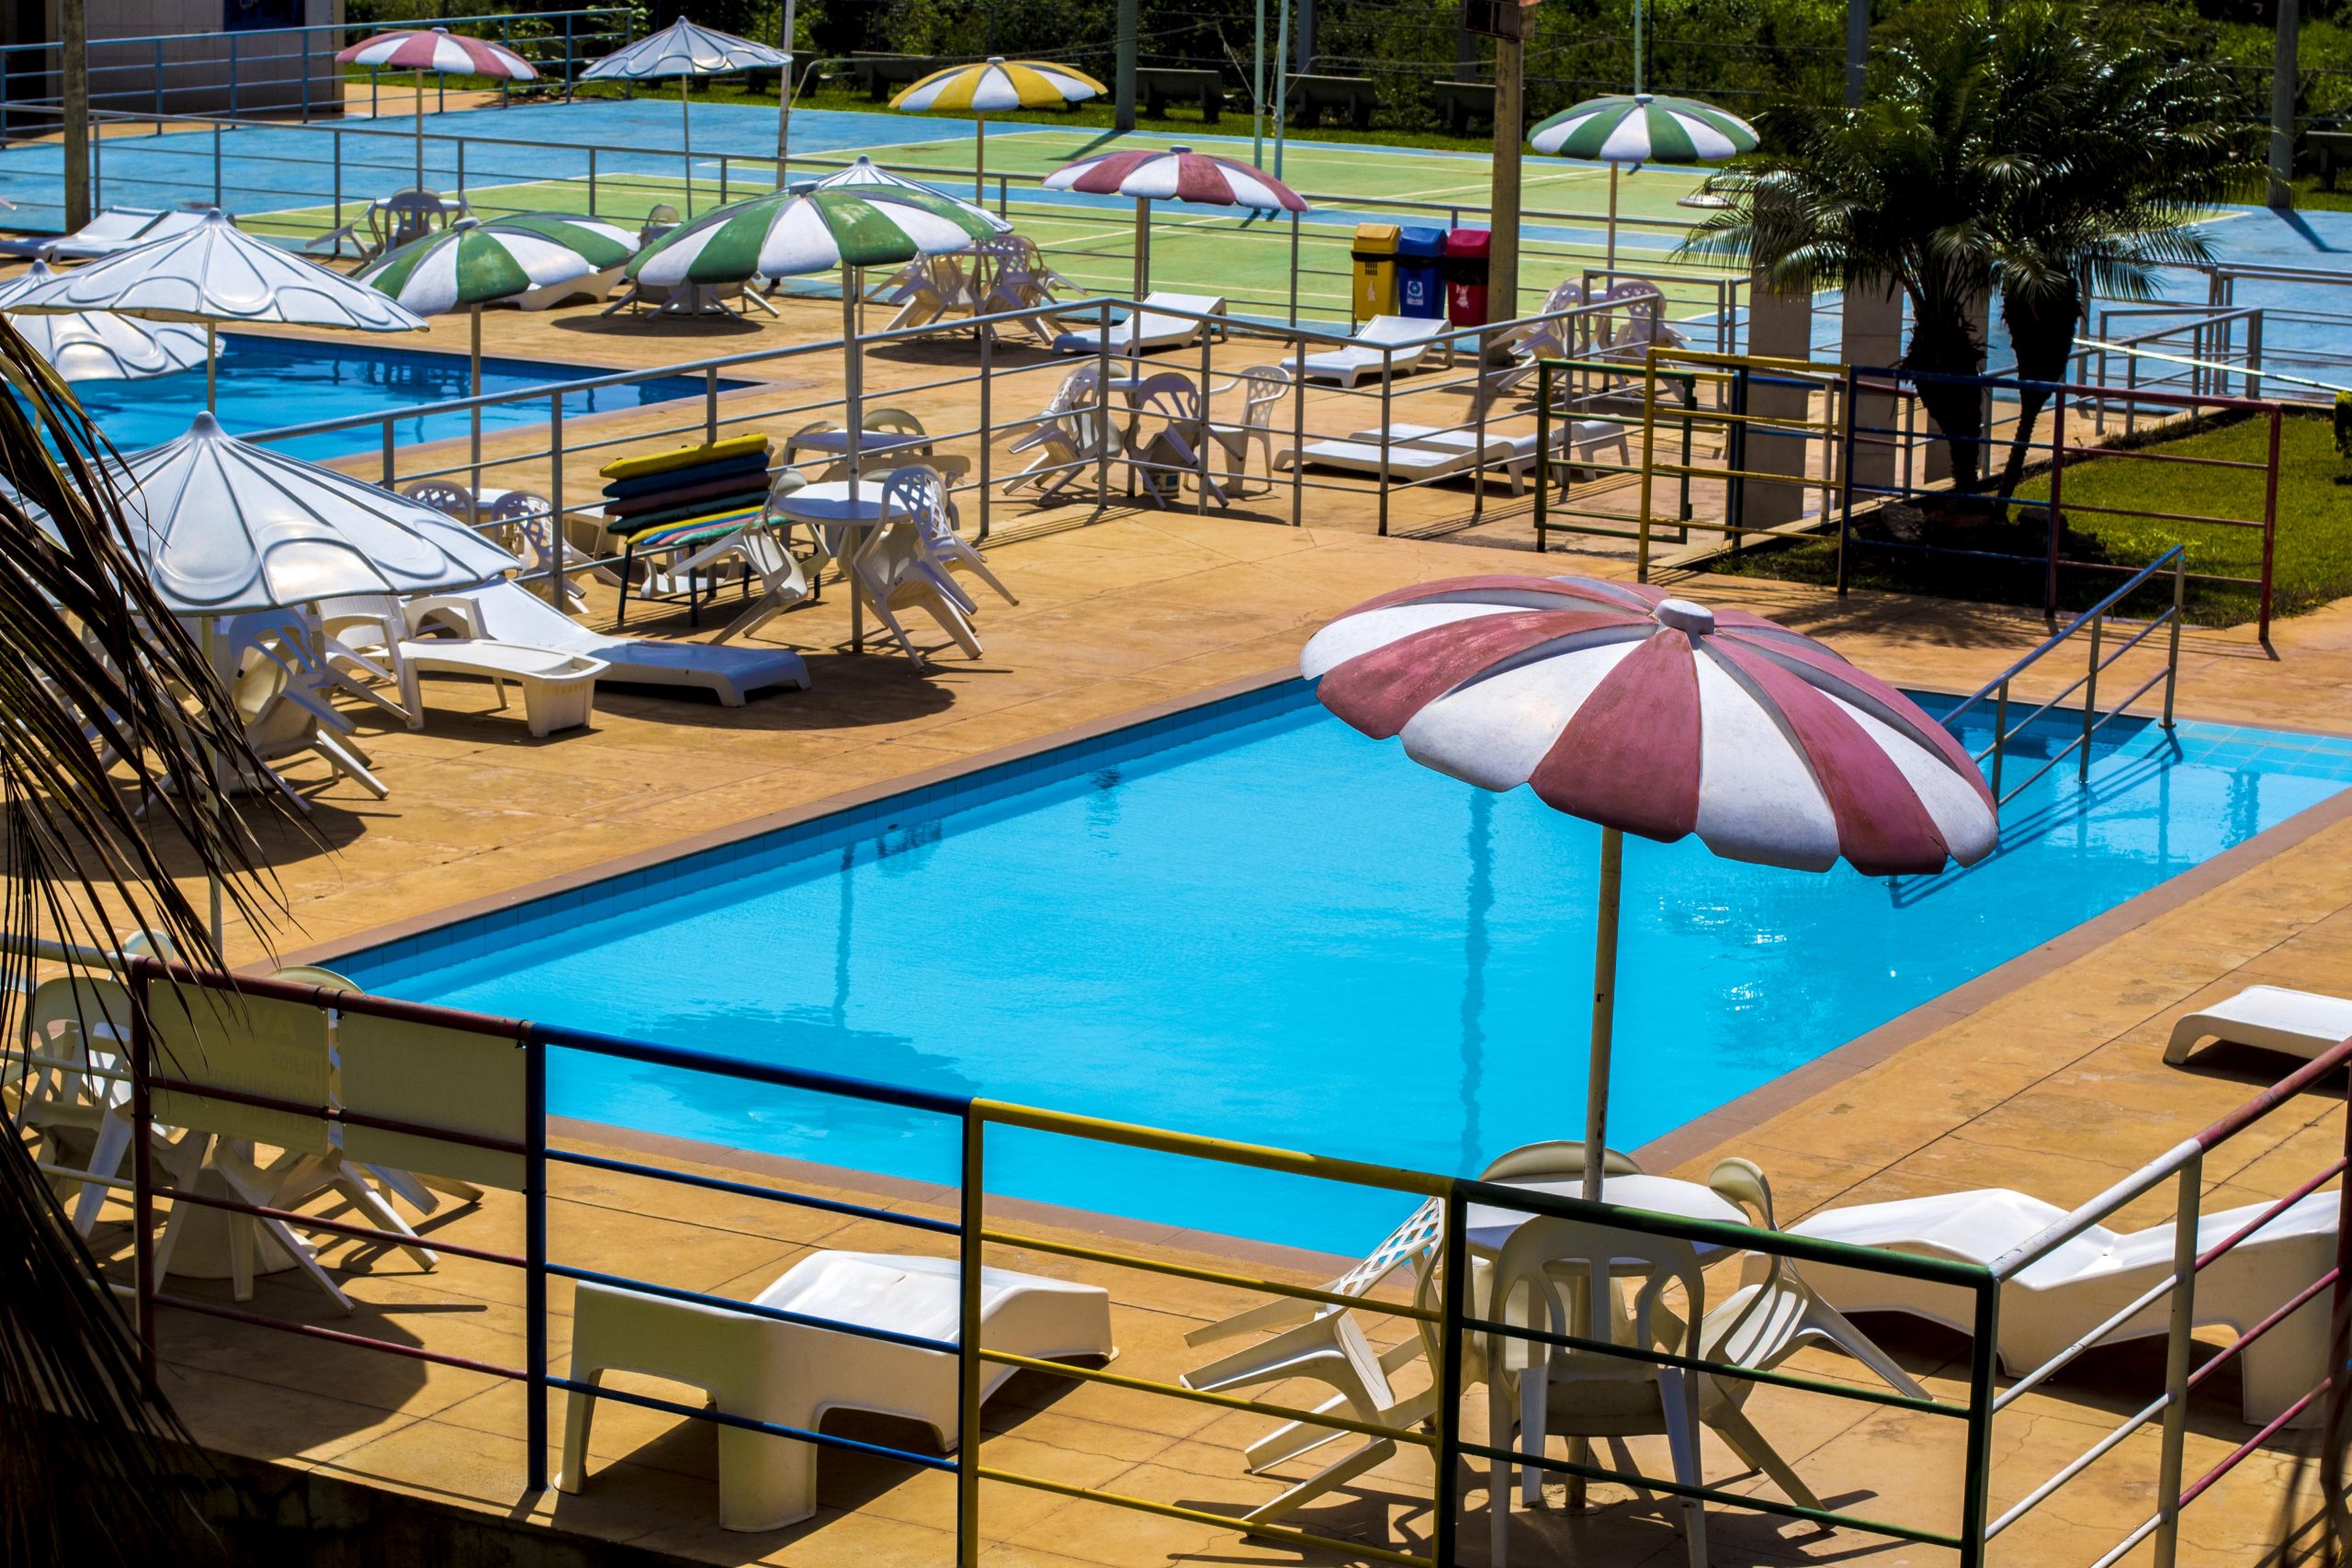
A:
{"points": [[994, 85]]}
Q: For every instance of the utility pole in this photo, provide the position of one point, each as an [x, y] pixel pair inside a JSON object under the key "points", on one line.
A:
{"points": [[74, 105], [1857, 49], [2283, 105], [1502, 257], [1257, 91], [784, 98], [1124, 88], [1305, 37], [1282, 81]]}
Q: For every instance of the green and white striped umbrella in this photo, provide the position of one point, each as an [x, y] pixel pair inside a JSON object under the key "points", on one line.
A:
{"points": [[475, 263], [1624, 131], [1643, 129], [786, 235]]}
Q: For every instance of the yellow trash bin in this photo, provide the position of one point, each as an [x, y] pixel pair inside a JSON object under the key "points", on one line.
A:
{"points": [[1375, 270]]}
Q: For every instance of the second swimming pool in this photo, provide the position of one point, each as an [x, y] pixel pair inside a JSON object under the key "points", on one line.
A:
{"points": [[1252, 922]]}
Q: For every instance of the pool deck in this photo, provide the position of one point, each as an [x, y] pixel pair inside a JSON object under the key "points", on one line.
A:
{"points": [[2045, 1076]]}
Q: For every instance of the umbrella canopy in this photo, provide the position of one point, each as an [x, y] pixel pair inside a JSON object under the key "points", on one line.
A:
{"points": [[864, 173], [1179, 174], [226, 526], [442, 52], [1628, 131], [998, 84], [682, 49], [479, 263], [439, 51], [993, 84], [685, 51], [99, 346], [785, 235], [1655, 716], [1642, 128]]}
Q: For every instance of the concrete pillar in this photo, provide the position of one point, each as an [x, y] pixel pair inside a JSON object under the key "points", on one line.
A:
{"points": [[1502, 254], [2282, 104], [1780, 326], [1872, 338], [1122, 86], [1306, 37], [73, 108]]}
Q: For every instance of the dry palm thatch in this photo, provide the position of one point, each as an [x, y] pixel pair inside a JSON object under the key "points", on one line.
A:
{"points": [[110, 722]]}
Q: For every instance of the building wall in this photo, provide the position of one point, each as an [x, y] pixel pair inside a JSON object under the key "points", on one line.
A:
{"points": [[212, 57]]}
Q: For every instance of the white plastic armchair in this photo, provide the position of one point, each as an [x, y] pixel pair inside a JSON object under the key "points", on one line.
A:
{"points": [[1066, 433], [1261, 388], [1165, 455], [896, 574], [919, 494]]}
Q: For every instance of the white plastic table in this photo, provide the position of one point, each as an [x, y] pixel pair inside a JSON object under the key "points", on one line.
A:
{"points": [[848, 510], [1488, 1226]]}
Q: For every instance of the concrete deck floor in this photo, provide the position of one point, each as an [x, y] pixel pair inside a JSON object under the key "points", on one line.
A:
{"points": [[2046, 1076]]}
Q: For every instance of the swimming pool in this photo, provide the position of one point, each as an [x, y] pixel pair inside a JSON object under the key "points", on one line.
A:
{"points": [[269, 383], [1251, 921]]}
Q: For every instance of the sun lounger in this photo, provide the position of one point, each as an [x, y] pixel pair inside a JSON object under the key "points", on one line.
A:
{"points": [[559, 689], [1148, 328], [1398, 343], [508, 611], [1420, 451], [2299, 1023], [791, 1374], [2065, 1296], [115, 228]]}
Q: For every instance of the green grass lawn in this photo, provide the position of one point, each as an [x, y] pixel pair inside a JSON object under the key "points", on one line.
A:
{"points": [[2313, 565]]}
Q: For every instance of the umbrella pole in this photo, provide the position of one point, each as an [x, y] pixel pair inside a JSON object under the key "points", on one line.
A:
{"points": [[1610, 265], [212, 767], [1143, 246], [686, 135], [981, 161], [420, 129], [476, 392], [1604, 1007], [210, 350], [853, 399]]}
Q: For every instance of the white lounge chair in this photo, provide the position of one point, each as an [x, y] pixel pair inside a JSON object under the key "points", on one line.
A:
{"points": [[1396, 343], [109, 231], [2297, 1023], [559, 688], [1419, 452], [2053, 1303], [1570, 438], [508, 611], [791, 1374], [1149, 328]]}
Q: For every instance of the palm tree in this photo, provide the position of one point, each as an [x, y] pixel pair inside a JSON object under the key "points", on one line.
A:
{"points": [[106, 702], [2117, 152], [2029, 159], [1895, 191]]}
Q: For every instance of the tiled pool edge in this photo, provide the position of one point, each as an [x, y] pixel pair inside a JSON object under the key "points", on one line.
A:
{"points": [[662, 865]]}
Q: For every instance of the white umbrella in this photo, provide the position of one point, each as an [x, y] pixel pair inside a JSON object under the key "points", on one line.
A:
{"points": [[1176, 174], [99, 346], [685, 51], [1654, 715], [212, 273], [1642, 128], [445, 53], [225, 526], [997, 84]]}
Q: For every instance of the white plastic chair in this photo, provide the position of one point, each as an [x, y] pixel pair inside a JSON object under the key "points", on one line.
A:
{"points": [[895, 571], [917, 493], [1261, 388], [1068, 431], [1165, 457]]}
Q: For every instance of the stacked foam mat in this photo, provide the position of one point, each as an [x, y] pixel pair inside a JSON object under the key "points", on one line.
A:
{"points": [[672, 497]]}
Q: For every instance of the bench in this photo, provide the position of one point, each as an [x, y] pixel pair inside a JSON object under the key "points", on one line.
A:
{"points": [[1463, 104], [878, 73], [2331, 145], [1160, 84], [1310, 95]]}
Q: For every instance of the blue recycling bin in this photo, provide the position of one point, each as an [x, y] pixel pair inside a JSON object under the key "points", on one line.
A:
{"points": [[1420, 272]]}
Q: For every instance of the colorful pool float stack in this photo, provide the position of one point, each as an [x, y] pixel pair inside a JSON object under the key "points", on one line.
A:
{"points": [[684, 496]]}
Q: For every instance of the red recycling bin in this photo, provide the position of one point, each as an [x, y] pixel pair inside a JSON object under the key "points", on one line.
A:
{"points": [[1465, 276]]}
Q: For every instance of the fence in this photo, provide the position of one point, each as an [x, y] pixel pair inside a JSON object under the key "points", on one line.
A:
{"points": [[1885, 463], [263, 1047], [293, 68]]}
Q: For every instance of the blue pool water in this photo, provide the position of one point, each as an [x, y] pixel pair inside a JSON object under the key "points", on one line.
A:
{"points": [[1253, 922], [269, 383]]}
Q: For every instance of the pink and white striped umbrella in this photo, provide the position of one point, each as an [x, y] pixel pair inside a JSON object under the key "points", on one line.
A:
{"points": [[1178, 174], [1655, 716], [439, 50]]}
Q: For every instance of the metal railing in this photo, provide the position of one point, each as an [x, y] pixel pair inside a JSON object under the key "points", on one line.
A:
{"points": [[2091, 625], [177, 1061], [290, 68]]}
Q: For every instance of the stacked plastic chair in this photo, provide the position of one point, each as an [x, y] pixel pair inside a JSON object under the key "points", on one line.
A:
{"points": [[674, 500]]}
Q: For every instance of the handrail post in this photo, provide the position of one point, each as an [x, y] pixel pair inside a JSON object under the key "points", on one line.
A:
{"points": [[1208, 416], [1453, 1301], [2000, 739], [2057, 528], [535, 1249], [987, 427], [1103, 404], [1650, 448], [971, 1215], [1298, 436], [387, 481], [143, 1174], [1846, 485], [216, 163], [2090, 700], [559, 590], [570, 57], [710, 403], [1542, 434], [592, 182], [1387, 388], [1976, 1506], [2172, 653], [2178, 1338], [2269, 525]]}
